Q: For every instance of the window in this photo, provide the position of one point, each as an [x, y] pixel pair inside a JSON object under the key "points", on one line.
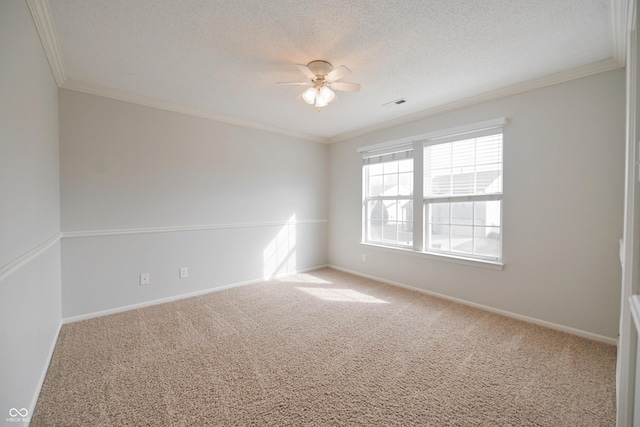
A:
{"points": [[439, 193], [463, 196], [388, 200]]}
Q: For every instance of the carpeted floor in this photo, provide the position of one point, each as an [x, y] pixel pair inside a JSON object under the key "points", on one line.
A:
{"points": [[323, 349]]}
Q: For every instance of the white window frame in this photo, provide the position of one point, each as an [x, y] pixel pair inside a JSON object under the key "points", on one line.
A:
{"points": [[384, 155], [452, 198], [420, 202]]}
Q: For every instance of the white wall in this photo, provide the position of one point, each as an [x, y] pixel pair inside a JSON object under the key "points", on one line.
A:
{"points": [[257, 204], [29, 209], [563, 199], [127, 167]]}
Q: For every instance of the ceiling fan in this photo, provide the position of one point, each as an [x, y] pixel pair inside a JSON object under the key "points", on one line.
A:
{"points": [[323, 79]]}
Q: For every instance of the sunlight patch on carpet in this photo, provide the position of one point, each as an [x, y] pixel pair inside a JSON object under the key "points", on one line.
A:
{"points": [[345, 295], [305, 278]]}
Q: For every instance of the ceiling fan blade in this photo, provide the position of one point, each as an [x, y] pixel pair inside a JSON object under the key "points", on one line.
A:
{"points": [[338, 73], [346, 86], [305, 70], [295, 83]]}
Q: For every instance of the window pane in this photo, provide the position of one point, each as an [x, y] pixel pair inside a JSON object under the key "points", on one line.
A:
{"points": [[375, 186], [390, 185], [405, 165], [462, 239], [390, 167], [439, 237], [377, 217], [487, 241], [405, 229], [487, 213], [462, 213], [405, 233], [377, 211], [391, 207], [374, 169], [439, 213], [374, 231], [390, 232], [405, 187]]}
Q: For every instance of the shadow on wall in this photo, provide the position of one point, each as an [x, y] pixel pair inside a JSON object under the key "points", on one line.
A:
{"points": [[279, 256]]}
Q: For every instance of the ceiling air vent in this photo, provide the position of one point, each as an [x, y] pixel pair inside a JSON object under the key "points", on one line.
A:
{"points": [[396, 102]]}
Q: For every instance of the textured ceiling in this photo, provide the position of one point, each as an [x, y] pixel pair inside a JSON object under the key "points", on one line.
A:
{"points": [[226, 56]]}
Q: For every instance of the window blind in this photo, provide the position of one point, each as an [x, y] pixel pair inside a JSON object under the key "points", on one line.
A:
{"points": [[464, 167], [390, 154]]}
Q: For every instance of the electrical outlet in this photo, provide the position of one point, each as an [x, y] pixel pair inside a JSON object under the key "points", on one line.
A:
{"points": [[144, 279], [364, 257], [184, 272]]}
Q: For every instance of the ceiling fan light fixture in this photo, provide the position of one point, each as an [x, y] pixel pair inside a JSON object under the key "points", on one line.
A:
{"points": [[309, 95], [321, 102], [326, 94]]}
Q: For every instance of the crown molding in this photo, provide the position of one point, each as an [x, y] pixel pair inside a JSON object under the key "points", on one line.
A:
{"points": [[576, 73], [162, 104], [41, 14], [620, 11]]}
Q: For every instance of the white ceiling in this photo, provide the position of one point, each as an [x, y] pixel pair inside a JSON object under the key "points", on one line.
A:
{"points": [[223, 58]]}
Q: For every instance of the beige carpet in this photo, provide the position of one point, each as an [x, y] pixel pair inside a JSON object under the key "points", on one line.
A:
{"points": [[323, 349]]}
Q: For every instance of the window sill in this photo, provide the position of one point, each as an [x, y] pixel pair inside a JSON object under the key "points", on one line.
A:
{"points": [[492, 265]]}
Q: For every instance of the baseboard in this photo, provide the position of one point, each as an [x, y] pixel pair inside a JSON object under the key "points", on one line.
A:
{"points": [[550, 325], [43, 375], [181, 296]]}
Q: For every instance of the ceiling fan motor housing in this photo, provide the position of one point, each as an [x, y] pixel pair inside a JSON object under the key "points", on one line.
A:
{"points": [[320, 68]]}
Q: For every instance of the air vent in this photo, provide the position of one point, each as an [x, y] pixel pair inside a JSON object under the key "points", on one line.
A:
{"points": [[395, 102]]}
